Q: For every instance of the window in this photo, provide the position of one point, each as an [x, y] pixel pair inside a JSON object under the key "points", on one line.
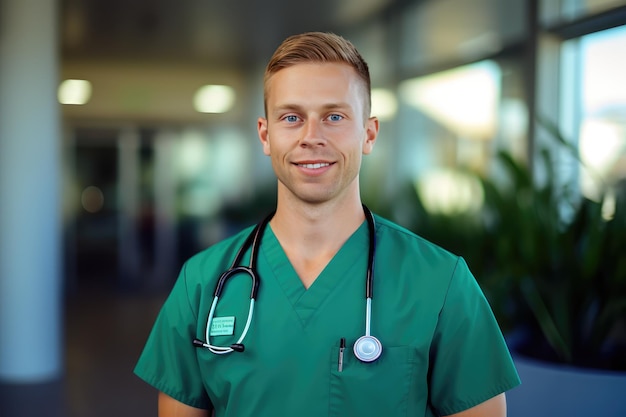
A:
{"points": [[602, 140]]}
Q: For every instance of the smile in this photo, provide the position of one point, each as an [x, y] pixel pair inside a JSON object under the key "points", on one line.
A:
{"points": [[314, 166]]}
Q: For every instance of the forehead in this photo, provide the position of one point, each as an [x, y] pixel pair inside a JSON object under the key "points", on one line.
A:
{"points": [[314, 80]]}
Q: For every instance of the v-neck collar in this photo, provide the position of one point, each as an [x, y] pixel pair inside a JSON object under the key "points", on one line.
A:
{"points": [[306, 301]]}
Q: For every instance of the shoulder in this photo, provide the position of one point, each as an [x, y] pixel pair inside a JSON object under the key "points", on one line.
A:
{"points": [[417, 264], [398, 238]]}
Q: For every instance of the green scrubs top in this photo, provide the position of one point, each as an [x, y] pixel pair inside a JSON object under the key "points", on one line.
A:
{"points": [[443, 351]]}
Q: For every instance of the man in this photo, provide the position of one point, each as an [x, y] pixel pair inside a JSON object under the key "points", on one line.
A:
{"points": [[441, 351]]}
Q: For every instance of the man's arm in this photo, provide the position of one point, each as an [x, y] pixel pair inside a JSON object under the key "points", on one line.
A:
{"points": [[493, 407], [169, 407]]}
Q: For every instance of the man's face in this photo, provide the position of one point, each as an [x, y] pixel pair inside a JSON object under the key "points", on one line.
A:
{"points": [[316, 132]]}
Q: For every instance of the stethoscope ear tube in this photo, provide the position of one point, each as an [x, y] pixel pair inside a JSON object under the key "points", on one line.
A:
{"points": [[199, 343], [236, 270], [237, 347], [252, 240]]}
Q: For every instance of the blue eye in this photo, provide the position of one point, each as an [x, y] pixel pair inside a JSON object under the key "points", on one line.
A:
{"points": [[291, 118], [335, 117]]}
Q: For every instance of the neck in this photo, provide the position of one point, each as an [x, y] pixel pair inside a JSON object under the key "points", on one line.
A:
{"points": [[311, 235], [317, 223]]}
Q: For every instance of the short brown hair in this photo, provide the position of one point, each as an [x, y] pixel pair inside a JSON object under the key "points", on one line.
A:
{"points": [[318, 47]]}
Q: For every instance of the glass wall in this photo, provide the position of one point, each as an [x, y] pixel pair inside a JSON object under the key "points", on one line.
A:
{"points": [[602, 146], [583, 63]]}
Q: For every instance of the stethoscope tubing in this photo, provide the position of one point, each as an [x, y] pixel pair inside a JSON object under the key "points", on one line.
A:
{"points": [[368, 348], [369, 280], [368, 316], [253, 240]]}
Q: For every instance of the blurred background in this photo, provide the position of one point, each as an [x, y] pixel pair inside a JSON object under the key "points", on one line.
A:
{"points": [[128, 143]]}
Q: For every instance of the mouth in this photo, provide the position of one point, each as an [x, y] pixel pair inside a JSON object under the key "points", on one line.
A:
{"points": [[313, 165]]}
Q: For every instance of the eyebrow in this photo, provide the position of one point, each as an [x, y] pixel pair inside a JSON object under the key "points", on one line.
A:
{"points": [[299, 109]]}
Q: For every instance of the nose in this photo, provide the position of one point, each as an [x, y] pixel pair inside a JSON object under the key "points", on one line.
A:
{"points": [[313, 134]]}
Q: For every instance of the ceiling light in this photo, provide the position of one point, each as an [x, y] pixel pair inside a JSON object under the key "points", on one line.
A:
{"points": [[214, 99], [77, 92]]}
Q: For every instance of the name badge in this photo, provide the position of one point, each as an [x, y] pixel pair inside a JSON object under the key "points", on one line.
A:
{"points": [[222, 326]]}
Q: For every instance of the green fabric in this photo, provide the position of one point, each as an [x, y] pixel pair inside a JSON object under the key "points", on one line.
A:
{"points": [[442, 349]]}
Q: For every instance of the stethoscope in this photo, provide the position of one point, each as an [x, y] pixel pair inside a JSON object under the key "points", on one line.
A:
{"points": [[367, 348]]}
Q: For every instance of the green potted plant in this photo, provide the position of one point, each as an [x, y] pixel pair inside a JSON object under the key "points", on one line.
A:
{"points": [[558, 269], [558, 272], [554, 270]]}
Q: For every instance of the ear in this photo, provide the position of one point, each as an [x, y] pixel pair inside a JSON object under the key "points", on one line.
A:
{"points": [[261, 126], [371, 133]]}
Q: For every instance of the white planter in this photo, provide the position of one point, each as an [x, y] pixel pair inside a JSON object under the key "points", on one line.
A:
{"points": [[556, 390]]}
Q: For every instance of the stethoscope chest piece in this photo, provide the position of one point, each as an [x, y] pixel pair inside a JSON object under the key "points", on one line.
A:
{"points": [[367, 348]]}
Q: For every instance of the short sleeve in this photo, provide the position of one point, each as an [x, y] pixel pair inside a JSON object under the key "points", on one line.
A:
{"points": [[168, 361], [470, 361]]}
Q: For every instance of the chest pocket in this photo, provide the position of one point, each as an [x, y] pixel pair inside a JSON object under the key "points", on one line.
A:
{"points": [[379, 388]]}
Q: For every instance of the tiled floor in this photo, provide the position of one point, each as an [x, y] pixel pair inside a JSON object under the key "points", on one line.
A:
{"points": [[105, 332]]}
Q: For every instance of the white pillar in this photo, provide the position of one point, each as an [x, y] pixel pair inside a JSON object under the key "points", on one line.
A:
{"points": [[30, 229]]}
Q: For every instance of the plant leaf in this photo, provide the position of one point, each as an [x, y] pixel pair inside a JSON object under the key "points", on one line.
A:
{"points": [[546, 322]]}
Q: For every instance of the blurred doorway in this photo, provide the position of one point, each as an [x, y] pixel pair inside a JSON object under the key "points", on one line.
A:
{"points": [[120, 233], [94, 233]]}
